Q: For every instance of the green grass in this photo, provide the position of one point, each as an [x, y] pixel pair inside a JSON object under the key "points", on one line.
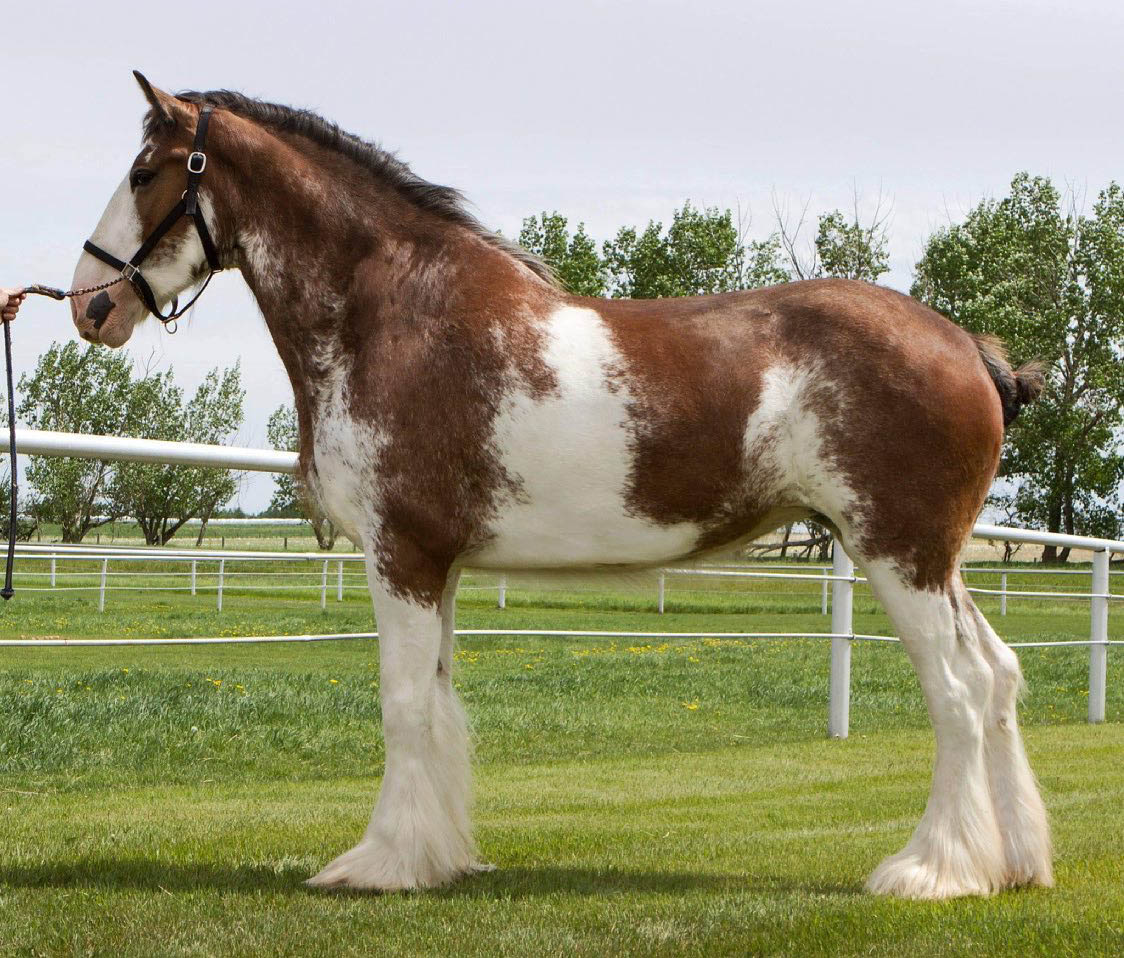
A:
{"points": [[638, 797]]}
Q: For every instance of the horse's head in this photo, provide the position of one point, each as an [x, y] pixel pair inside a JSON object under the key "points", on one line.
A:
{"points": [[153, 187]]}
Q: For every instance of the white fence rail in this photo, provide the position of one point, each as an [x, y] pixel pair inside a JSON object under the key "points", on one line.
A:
{"points": [[841, 578]]}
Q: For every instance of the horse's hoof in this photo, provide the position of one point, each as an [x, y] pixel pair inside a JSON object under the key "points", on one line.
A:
{"points": [[371, 867], [908, 875]]}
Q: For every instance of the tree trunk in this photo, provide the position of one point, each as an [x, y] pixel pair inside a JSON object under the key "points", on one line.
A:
{"points": [[1053, 524], [784, 541]]}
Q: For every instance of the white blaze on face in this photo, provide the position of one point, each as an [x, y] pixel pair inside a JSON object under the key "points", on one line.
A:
{"points": [[118, 232], [169, 268], [570, 453]]}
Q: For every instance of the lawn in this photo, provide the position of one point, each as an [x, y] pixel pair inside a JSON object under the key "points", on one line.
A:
{"points": [[638, 797]]}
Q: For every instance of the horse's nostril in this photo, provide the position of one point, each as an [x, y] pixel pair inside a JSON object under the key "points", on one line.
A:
{"points": [[99, 307]]}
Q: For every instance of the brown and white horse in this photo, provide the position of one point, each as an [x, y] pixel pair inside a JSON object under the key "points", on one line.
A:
{"points": [[457, 408]]}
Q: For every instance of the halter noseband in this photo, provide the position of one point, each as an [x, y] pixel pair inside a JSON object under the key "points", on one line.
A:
{"points": [[187, 206]]}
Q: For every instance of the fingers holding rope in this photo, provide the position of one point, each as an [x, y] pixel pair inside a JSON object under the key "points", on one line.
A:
{"points": [[10, 300]]}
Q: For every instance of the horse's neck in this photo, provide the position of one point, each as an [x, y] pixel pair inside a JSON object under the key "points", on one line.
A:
{"points": [[329, 276]]}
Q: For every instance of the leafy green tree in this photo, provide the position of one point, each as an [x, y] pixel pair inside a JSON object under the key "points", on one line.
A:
{"points": [[26, 522], [282, 433], [289, 499], [162, 498], [84, 391], [1048, 279], [850, 250], [573, 258], [702, 252], [844, 247]]}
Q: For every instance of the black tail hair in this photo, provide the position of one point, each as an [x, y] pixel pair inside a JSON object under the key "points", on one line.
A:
{"points": [[1016, 387]]}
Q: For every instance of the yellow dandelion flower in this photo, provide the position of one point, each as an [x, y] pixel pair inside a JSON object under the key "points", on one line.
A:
{"points": [[334, 681], [691, 706]]}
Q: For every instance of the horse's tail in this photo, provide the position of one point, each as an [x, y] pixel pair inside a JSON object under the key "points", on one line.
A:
{"points": [[1016, 387]]}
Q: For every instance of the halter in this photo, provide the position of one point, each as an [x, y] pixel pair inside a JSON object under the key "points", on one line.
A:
{"points": [[187, 206]]}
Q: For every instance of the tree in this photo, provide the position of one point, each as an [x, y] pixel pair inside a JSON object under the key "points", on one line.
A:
{"points": [[26, 523], [85, 391], [573, 258], [1048, 279], [163, 498], [289, 498], [844, 247], [703, 251]]}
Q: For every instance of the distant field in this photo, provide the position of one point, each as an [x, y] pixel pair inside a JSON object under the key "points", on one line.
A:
{"points": [[641, 797]]}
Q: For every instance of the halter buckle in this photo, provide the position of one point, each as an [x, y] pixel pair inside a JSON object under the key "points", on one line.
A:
{"points": [[201, 162], [129, 271]]}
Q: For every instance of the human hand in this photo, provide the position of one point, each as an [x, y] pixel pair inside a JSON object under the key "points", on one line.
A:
{"points": [[10, 300]]}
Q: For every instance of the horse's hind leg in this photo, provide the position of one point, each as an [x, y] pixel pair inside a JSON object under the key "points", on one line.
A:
{"points": [[420, 832], [957, 848], [1018, 806]]}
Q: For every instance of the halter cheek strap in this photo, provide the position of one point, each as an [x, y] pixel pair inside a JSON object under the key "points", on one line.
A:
{"points": [[187, 206]]}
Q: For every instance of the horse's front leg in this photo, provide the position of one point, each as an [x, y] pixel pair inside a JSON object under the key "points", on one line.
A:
{"points": [[420, 833]]}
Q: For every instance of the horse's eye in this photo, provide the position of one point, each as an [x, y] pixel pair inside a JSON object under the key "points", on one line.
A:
{"points": [[141, 178]]}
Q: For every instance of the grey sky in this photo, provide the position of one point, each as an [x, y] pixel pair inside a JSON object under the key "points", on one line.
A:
{"points": [[612, 113]]}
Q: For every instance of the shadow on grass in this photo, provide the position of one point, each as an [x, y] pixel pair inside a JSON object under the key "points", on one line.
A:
{"points": [[506, 883]]}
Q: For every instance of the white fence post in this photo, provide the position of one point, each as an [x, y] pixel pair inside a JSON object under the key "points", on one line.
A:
{"points": [[823, 595], [501, 597], [1098, 637], [101, 590], [324, 586], [222, 570], [660, 593], [1003, 594], [52, 572], [339, 581], [193, 577], [842, 604]]}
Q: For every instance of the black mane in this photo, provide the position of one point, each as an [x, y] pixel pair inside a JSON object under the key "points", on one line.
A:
{"points": [[444, 201]]}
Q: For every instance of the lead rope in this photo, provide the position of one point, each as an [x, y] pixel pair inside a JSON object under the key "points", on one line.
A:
{"points": [[38, 290], [7, 592]]}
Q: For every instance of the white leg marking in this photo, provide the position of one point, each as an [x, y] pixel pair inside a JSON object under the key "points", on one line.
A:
{"points": [[420, 833], [1023, 823], [956, 849]]}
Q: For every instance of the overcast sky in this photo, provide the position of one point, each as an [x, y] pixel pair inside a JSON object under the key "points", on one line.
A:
{"points": [[612, 113]]}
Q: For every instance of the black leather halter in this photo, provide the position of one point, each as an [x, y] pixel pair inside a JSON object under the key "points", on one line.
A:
{"points": [[187, 206]]}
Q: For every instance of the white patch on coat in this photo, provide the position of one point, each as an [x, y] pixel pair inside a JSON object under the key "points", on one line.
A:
{"points": [[263, 264], [346, 454], [785, 438], [570, 454]]}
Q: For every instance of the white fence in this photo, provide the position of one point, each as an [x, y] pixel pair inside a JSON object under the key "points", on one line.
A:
{"points": [[841, 578]]}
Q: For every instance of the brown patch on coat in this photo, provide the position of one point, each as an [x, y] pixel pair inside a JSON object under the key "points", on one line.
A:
{"points": [[693, 369], [913, 420]]}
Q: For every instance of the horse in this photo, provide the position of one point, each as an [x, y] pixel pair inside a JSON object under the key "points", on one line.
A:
{"points": [[457, 407]]}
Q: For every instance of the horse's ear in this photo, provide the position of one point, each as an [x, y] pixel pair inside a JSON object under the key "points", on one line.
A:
{"points": [[165, 107]]}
